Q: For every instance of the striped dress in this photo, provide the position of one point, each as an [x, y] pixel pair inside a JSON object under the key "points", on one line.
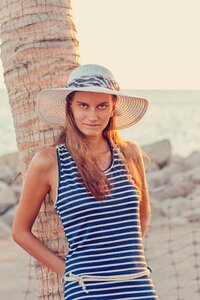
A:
{"points": [[104, 237]]}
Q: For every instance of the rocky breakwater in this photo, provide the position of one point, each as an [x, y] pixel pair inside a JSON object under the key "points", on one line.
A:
{"points": [[173, 183], [10, 190]]}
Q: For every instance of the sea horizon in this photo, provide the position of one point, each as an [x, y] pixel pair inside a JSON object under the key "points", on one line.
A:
{"points": [[172, 114]]}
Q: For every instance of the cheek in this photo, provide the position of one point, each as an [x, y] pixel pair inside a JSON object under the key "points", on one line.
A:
{"points": [[105, 114], [78, 115]]}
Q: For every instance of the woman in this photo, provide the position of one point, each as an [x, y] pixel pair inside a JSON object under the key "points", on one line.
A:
{"points": [[98, 184]]}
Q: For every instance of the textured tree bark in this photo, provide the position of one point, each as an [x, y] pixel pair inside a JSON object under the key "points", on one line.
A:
{"points": [[39, 49]]}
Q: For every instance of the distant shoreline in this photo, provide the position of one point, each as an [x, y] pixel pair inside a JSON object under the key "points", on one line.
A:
{"points": [[172, 114]]}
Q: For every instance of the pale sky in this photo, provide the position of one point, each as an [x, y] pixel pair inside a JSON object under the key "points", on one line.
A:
{"points": [[147, 44]]}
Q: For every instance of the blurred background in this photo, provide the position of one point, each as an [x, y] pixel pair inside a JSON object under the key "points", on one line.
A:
{"points": [[152, 47]]}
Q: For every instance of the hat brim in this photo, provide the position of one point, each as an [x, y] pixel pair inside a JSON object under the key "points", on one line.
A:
{"points": [[51, 103]]}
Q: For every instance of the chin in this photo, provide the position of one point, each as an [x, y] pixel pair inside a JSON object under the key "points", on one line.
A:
{"points": [[92, 133]]}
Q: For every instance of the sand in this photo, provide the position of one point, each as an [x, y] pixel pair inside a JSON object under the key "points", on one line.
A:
{"points": [[17, 275]]}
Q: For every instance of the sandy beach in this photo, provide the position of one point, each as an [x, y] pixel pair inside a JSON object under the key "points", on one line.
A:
{"points": [[17, 274]]}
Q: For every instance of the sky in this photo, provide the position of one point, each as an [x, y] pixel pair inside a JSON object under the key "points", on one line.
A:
{"points": [[146, 44]]}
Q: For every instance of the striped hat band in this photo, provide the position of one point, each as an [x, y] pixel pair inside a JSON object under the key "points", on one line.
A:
{"points": [[97, 80]]}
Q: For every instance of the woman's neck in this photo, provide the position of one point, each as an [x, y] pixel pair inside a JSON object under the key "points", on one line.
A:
{"points": [[98, 144]]}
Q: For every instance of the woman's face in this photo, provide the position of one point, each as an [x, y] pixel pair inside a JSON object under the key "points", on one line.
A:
{"points": [[92, 112]]}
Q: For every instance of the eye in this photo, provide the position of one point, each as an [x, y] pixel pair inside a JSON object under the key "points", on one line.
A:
{"points": [[102, 106], [83, 105]]}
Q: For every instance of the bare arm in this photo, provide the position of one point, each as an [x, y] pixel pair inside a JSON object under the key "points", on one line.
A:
{"points": [[145, 210], [36, 186]]}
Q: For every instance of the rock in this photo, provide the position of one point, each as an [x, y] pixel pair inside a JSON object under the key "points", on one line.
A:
{"points": [[174, 222], [10, 167], [17, 189], [162, 176], [9, 216], [156, 212], [193, 215], [175, 158], [5, 230], [194, 197], [155, 179], [153, 166], [3, 185], [178, 221], [173, 168], [160, 152], [11, 160], [194, 174], [193, 159], [174, 208], [5, 173], [7, 197], [174, 189]]}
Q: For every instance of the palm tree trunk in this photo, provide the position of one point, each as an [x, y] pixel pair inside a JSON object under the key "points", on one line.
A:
{"points": [[39, 49]]}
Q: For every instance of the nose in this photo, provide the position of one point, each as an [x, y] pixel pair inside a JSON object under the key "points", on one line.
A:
{"points": [[92, 115]]}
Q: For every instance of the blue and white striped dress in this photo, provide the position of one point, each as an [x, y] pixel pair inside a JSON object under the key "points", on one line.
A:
{"points": [[104, 237]]}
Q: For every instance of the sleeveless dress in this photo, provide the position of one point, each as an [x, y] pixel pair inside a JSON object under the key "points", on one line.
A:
{"points": [[103, 237]]}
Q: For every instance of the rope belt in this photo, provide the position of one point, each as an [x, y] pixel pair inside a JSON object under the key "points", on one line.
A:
{"points": [[82, 278]]}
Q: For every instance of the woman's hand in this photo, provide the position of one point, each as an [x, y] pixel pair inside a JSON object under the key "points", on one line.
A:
{"points": [[62, 269]]}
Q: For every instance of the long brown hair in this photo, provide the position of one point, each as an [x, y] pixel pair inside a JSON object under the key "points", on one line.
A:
{"points": [[92, 177]]}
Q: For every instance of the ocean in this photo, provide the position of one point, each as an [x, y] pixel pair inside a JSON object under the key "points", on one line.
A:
{"points": [[172, 114]]}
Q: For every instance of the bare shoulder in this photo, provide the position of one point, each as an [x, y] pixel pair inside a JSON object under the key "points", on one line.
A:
{"points": [[134, 149], [44, 159]]}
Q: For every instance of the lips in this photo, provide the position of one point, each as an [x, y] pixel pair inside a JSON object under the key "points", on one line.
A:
{"points": [[92, 125]]}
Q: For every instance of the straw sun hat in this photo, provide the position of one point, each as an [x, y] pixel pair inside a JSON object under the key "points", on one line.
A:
{"points": [[51, 103]]}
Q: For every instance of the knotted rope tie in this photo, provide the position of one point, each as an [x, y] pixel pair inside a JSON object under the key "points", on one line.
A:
{"points": [[77, 278], [80, 278]]}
